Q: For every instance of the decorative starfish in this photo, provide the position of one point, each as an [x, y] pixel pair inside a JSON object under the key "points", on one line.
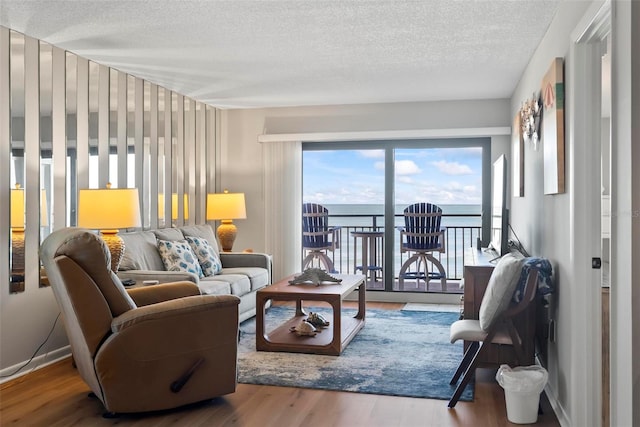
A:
{"points": [[315, 276]]}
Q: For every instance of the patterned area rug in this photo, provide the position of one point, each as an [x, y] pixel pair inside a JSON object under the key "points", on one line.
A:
{"points": [[398, 353]]}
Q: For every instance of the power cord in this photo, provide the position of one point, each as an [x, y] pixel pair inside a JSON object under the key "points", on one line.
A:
{"points": [[36, 352]]}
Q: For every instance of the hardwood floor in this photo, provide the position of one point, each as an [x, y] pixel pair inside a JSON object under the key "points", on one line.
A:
{"points": [[56, 396]]}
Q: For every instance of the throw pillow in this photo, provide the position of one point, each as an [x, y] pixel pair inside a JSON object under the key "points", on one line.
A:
{"points": [[177, 255], [206, 254], [502, 285]]}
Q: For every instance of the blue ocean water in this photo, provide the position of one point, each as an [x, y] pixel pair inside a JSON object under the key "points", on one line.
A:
{"points": [[365, 212]]}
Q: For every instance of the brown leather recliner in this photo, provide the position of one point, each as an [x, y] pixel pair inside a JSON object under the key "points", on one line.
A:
{"points": [[153, 348]]}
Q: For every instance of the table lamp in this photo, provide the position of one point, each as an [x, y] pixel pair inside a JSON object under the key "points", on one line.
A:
{"points": [[18, 224], [226, 207], [109, 209], [17, 228], [174, 206]]}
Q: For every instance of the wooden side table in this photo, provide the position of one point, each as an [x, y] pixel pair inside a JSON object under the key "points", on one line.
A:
{"points": [[370, 264]]}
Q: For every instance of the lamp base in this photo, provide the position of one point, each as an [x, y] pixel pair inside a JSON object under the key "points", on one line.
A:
{"points": [[115, 245], [227, 234]]}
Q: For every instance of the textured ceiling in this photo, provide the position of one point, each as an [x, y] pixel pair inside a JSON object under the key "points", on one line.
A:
{"points": [[237, 54]]}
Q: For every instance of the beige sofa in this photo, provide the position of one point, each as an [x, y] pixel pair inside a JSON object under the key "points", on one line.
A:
{"points": [[242, 273]]}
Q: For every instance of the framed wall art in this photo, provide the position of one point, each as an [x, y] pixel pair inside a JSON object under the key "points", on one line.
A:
{"points": [[517, 153], [553, 128]]}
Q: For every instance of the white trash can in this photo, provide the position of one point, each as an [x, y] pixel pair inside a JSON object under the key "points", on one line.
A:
{"points": [[522, 387]]}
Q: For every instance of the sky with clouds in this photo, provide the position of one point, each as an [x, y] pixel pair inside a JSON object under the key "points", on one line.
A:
{"points": [[442, 176]]}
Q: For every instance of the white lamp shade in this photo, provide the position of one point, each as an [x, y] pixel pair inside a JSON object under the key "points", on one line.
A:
{"points": [[174, 206], [226, 206], [17, 208], [108, 208]]}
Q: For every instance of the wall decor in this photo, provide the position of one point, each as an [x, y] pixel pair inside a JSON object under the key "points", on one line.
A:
{"points": [[517, 153], [530, 120], [553, 128]]}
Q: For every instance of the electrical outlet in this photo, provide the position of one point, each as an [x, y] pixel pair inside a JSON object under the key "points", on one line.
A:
{"points": [[552, 330]]}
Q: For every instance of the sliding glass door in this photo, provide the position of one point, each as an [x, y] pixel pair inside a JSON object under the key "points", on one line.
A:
{"points": [[367, 185]]}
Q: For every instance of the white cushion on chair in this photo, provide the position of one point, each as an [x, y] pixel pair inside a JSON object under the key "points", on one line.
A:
{"points": [[502, 285], [470, 330]]}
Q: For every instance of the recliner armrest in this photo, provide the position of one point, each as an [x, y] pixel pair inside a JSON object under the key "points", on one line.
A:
{"points": [[172, 310], [154, 294]]}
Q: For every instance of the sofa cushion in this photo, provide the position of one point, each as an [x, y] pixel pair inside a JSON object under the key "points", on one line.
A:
{"points": [[204, 231], [177, 255], [207, 257], [140, 252], [502, 284], [239, 283], [168, 234], [210, 286], [259, 277]]}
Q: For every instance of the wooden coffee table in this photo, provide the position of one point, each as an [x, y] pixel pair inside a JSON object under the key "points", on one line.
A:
{"points": [[333, 339]]}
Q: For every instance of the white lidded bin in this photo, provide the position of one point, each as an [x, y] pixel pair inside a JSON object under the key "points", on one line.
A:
{"points": [[522, 387]]}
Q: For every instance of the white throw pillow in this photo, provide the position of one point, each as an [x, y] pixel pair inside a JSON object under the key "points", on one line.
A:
{"points": [[206, 254], [177, 255], [502, 285]]}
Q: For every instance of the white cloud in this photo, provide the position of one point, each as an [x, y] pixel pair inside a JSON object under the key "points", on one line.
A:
{"points": [[405, 179], [407, 167], [372, 154], [379, 166], [452, 168]]}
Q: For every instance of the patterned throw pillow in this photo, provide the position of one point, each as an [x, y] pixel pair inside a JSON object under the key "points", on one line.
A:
{"points": [[207, 257], [177, 255]]}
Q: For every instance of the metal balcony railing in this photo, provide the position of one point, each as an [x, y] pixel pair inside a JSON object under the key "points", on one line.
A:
{"points": [[348, 258]]}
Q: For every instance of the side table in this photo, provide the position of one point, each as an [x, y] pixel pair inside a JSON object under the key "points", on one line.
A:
{"points": [[372, 254]]}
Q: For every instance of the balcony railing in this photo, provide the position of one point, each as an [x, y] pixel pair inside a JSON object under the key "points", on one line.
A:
{"points": [[348, 258]]}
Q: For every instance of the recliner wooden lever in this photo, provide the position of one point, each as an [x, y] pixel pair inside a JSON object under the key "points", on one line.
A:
{"points": [[178, 384]]}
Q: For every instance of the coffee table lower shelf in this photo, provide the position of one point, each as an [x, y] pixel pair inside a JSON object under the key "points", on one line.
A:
{"points": [[282, 339]]}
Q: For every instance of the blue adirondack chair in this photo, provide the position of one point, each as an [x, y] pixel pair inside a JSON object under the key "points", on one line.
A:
{"points": [[318, 238], [422, 236]]}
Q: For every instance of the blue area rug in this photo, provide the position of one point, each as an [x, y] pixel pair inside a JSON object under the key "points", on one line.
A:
{"points": [[398, 353]]}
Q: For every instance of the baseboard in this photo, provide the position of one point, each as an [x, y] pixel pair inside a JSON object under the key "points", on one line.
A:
{"points": [[36, 363], [561, 414]]}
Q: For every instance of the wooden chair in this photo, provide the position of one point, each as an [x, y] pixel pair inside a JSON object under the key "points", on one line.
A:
{"points": [[423, 236], [317, 237], [495, 325]]}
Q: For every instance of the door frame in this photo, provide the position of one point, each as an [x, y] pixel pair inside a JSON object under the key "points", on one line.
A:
{"points": [[584, 104]]}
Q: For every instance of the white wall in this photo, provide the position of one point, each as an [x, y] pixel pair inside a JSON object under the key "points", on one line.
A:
{"points": [[545, 223], [242, 156]]}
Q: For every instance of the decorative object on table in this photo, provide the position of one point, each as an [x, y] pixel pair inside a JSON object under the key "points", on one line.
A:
{"points": [[317, 320], [108, 210], [530, 120], [304, 329], [553, 128], [226, 207], [314, 276]]}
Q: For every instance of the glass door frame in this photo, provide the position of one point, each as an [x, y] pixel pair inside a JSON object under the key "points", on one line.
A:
{"points": [[484, 143]]}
